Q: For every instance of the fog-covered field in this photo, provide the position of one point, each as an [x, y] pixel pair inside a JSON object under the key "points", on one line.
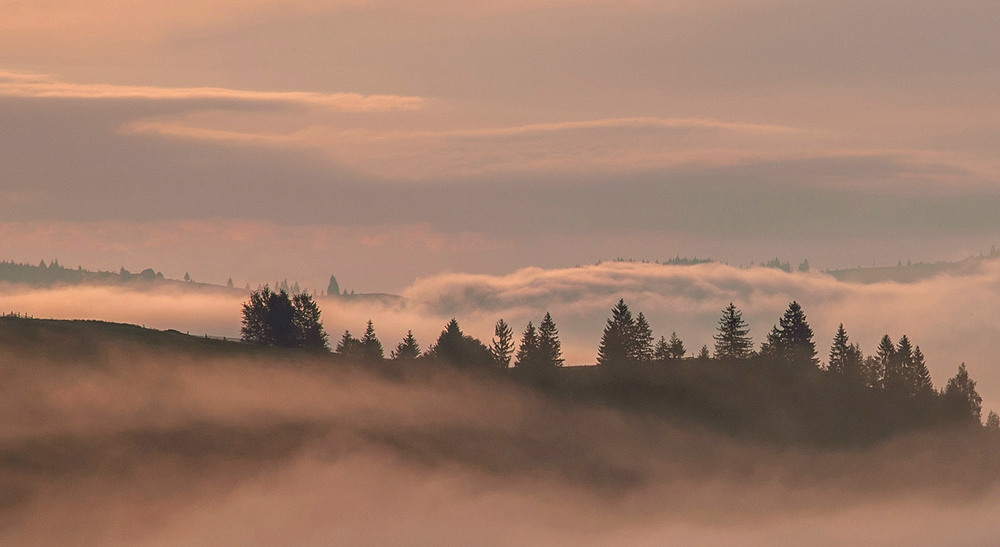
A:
{"points": [[132, 441]]}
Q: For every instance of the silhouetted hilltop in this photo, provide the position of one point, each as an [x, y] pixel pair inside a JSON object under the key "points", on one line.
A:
{"points": [[912, 272]]}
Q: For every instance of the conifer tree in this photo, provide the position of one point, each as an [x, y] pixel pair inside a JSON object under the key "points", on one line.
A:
{"points": [[372, 347], [733, 339], [643, 350], [962, 402], [797, 343], [839, 351], [618, 341], [549, 347], [306, 320], [349, 346], [408, 349], [528, 351], [993, 421], [922, 385], [677, 350], [703, 353], [503, 344], [885, 356], [661, 352], [899, 373], [459, 349]]}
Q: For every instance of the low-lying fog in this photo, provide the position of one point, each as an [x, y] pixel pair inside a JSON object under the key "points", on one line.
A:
{"points": [[159, 448], [952, 318]]}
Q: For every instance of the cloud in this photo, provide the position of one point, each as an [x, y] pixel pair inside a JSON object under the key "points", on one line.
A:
{"points": [[17, 84]]}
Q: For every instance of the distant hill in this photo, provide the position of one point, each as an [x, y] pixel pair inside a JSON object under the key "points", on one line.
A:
{"points": [[910, 273], [54, 275]]}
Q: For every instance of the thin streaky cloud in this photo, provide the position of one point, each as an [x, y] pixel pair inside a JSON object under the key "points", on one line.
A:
{"points": [[16, 84]]}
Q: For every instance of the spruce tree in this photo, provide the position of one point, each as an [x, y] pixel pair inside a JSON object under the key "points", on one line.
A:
{"points": [[408, 349], [503, 344], [643, 350], [661, 351], [733, 339], [372, 347], [797, 344], [885, 356], [703, 353], [306, 320], [528, 351], [922, 385], [618, 340], [677, 350], [549, 347], [962, 402], [839, 351], [349, 346]]}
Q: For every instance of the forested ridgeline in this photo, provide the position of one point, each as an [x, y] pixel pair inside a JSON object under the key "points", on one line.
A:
{"points": [[778, 390]]}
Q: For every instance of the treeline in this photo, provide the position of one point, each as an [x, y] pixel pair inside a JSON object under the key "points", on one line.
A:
{"points": [[896, 374]]}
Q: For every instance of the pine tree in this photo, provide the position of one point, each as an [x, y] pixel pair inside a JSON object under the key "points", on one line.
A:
{"points": [[677, 350], [372, 347], [618, 340], [549, 347], [527, 353], [703, 353], [839, 351], [333, 289], [643, 350], [661, 352], [408, 349], [309, 330], [733, 340], [898, 373], [962, 402], [922, 385], [797, 337], [350, 346], [993, 421], [459, 349], [503, 344], [885, 358]]}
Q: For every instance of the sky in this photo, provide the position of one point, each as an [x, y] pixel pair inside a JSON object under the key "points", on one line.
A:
{"points": [[389, 141]]}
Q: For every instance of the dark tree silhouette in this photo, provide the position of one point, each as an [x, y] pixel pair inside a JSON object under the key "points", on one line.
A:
{"points": [[350, 346], [458, 349], [885, 358], [962, 402], [408, 349], [306, 319], [993, 420], [275, 319], [733, 339], [370, 343], [618, 341], [333, 289], [661, 351], [503, 344], [528, 351], [923, 388], [549, 347], [643, 351], [846, 358], [703, 354], [790, 342]]}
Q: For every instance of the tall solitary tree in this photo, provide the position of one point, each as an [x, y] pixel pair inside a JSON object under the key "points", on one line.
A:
{"points": [[503, 344], [733, 338], [618, 341]]}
